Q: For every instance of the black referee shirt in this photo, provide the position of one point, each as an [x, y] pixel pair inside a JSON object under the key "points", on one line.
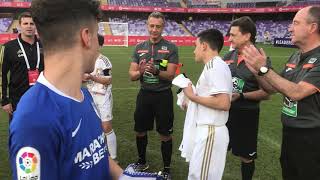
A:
{"points": [[158, 51], [243, 80], [306, 112], [14, 65]]}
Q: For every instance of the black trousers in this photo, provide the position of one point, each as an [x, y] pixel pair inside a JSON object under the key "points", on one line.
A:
{"points": [[154, 106], [243, 127], [300, 154], [14, 107]]}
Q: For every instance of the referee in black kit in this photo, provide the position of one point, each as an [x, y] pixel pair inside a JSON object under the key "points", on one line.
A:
{"points": [[299, 83], [243, 120], [22, 58], [154, 63]]}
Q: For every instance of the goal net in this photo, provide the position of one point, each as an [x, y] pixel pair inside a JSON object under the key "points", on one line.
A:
{"points": [[115, 34]]}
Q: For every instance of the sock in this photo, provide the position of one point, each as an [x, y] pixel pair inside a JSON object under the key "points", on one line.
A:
{"points": [[166, 150], [142, 146], [112, 144], [247, 170], [166, 169]]}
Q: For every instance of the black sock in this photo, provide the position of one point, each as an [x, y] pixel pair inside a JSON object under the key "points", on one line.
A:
{"points": [[166, 150], [142, 146], [247, 170]]}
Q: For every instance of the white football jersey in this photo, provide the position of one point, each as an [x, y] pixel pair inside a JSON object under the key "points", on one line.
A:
{"points": [[102, 64], [214, 79]]}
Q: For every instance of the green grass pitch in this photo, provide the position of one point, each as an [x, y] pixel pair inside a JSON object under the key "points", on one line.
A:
{"points": [[124, 94]]}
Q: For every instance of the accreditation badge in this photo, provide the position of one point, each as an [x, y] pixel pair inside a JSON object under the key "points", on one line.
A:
{"points": [[33, 76], [290, 107]]}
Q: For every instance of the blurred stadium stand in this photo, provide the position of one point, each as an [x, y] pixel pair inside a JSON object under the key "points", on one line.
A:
{"points": [[157, 3], [5, 24], [138, 27], [305, 3], [184, 24]]}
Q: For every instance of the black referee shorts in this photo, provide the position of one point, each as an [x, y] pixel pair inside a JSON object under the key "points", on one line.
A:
{"points": [[300, 153], [243, 131], [152, 106]]}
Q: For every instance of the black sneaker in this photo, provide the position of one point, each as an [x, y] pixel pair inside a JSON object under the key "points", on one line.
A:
{"points": [[140, 167]]}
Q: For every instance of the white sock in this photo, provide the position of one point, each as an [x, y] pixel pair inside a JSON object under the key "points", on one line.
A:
{"points": [[112, 144]]}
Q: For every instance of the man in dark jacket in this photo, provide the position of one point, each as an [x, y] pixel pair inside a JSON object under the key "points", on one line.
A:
{"points": [[22, 60]]}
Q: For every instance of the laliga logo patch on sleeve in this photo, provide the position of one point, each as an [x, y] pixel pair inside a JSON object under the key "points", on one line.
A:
{"points": [[28, 163]]}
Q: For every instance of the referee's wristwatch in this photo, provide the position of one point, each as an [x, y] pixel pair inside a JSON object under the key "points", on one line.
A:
{"points": [[263, 70]]}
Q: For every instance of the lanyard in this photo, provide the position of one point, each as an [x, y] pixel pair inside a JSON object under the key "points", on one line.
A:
{"points": [[25, 55]]}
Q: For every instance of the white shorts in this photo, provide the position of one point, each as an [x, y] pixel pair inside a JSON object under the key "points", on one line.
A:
{"points": [[104, 104], [209, 154]]}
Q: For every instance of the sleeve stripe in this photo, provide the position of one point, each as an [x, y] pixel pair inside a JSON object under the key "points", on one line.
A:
{"points": [[107, 62]]}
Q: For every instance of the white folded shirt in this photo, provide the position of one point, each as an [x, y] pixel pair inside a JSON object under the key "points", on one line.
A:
{"points": [[181, 81], [187, 144]]}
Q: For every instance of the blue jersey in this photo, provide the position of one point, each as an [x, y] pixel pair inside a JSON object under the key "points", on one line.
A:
{"points": [[55, 137]]}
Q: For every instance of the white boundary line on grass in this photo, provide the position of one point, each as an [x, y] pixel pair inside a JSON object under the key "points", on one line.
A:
{"points": [[270, 141]]}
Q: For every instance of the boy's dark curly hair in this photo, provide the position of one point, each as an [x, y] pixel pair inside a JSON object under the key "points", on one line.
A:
{"points": [[57, 21]]}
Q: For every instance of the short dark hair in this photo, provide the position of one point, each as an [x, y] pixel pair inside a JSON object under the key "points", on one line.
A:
{"points": [[213, 37], [157, 15], [246, 25], [58, 20], [24, 15], [314, 16], [100, 39]]}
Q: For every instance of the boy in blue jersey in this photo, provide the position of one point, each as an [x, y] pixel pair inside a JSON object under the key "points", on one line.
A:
{"points": [[56, 131]]}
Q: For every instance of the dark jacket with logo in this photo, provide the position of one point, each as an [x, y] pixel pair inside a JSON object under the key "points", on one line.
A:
{"points": [[14, 65], [304, 113], [243, 80], [161, 52]]}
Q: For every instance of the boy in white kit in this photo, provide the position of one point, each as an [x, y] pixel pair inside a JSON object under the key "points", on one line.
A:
{"points": [[99, 86], [212, 99]]}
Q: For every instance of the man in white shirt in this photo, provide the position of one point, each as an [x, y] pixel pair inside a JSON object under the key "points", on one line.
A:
{"points": [[99, 86], [213, 99]]}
